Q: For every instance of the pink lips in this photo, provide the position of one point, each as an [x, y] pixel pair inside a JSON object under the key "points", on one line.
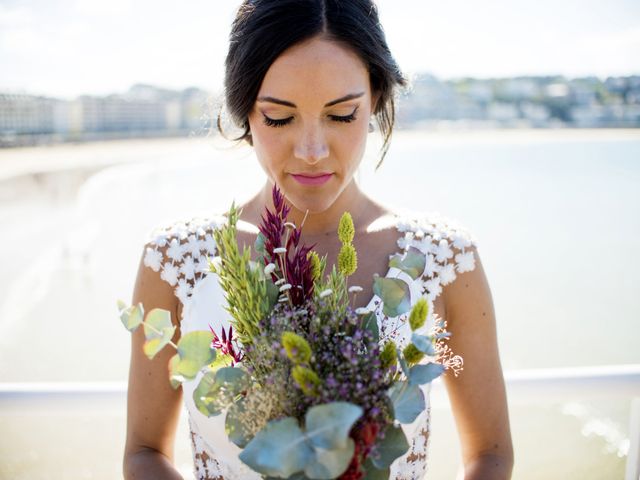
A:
{"points": [[315, 180]]}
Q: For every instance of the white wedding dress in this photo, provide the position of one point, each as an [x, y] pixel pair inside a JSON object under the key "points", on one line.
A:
{"points": [[179, 252]]}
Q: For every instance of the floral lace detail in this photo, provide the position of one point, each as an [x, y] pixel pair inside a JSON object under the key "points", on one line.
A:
{"points": [[180, 253]]}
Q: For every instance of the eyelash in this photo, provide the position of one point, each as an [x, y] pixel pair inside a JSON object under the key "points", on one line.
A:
{"points": [[281, 123]]}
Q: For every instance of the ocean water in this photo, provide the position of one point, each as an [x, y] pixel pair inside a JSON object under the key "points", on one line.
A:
{"points": [[556, 215]]}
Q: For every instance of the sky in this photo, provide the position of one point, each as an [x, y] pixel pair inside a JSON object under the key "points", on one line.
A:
{"points": [[66, 48]]}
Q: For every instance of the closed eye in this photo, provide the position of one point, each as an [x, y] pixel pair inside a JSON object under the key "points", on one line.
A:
{"points": [[273, 122]]}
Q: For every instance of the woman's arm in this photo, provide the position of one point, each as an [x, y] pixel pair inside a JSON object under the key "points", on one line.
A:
{"points": [[478, 396], [153, 407]]}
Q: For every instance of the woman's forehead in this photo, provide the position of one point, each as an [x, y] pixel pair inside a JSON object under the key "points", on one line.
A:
{"points": [[318, 68]]}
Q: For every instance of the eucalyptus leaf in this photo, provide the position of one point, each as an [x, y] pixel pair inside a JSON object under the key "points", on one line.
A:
{"points": [[412, 262], [204, 395], [374, 473], [395, 295], [194, 349], [402, 362], [408, 401], [328, 464], [158, 331], [328, 425], [423, 343], [132, 316], [174, 377], [370, 323], [233, 427], [392, 446], [425, 373], [280, 449]]}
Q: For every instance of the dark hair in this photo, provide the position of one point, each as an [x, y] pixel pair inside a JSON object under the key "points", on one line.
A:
{"points": [[263, 29]]}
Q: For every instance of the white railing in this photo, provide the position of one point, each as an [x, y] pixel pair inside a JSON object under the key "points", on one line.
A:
{"points": [[523, 387]]}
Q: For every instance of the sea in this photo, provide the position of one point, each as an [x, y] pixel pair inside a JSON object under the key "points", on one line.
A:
{"points": [[556, 217]]}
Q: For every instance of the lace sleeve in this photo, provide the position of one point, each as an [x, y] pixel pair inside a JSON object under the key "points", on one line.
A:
{"points": [[180, 252]]}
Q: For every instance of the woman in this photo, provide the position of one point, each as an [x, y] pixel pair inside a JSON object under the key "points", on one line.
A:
{"points": [[304, 79]]}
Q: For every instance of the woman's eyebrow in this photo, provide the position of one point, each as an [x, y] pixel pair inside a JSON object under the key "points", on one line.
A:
{"points": [[286, 103]]}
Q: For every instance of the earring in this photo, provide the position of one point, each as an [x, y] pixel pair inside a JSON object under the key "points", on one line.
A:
{"points": [[370, 127]]}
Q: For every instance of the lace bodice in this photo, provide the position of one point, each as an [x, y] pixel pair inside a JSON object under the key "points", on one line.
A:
{"points": [[180, 251]]}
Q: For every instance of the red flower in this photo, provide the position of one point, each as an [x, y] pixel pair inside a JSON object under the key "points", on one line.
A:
{"points": [[364, 437], [226, 345]]}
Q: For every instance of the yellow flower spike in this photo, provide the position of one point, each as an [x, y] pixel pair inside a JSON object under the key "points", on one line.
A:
{"points": [[315, 265], [297, 348], [388, 355], [307, 379], [418, 314], [346, 231], [347, 260], [412, 355]]}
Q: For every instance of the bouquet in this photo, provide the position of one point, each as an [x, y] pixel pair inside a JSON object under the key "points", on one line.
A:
{"points": [[309, 387]]}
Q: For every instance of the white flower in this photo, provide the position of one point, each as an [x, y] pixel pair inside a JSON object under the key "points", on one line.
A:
{"points": [[210, 244], [269, 269], [325, 293], [447, 274], [443, 252], [280, 281], [153, 259], [160, 240], [175, 250], [355, 289], [431, 267], [362, 310], [188, 268], [193, 246], [285, 287], [169, 273], [433, 287], [426, 245], [466, 262], [283, 299], [183, 290], [461, 241], [290, 225], [280, 250]]}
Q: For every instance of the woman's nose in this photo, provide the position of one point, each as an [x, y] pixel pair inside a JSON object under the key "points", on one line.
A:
{"points": [[312, 145]]}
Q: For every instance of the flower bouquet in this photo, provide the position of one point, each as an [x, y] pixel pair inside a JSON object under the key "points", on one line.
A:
{"points": [[309, 387]]}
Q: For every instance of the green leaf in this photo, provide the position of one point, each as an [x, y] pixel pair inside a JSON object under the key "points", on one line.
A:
{"points": [[158, 330], [395, 295], [425, 373], [328, 464], [402, 362], [328, 425], [412, 262], [373, 473], [392, 446], [132, 316], [204, 395], [233, 427], [370, 323], [280, 449], [259, 245], [408, 401], [423, 343], [175, 378], [194, 351]]}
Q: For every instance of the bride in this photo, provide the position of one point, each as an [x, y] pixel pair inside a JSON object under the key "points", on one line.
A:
{"points": [[304, 81]]}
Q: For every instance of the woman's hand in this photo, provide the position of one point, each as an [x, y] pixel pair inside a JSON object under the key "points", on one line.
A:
{"points": [[478, 396]]}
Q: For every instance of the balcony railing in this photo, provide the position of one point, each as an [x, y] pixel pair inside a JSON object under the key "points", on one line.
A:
{"points": [[524, 387]]}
